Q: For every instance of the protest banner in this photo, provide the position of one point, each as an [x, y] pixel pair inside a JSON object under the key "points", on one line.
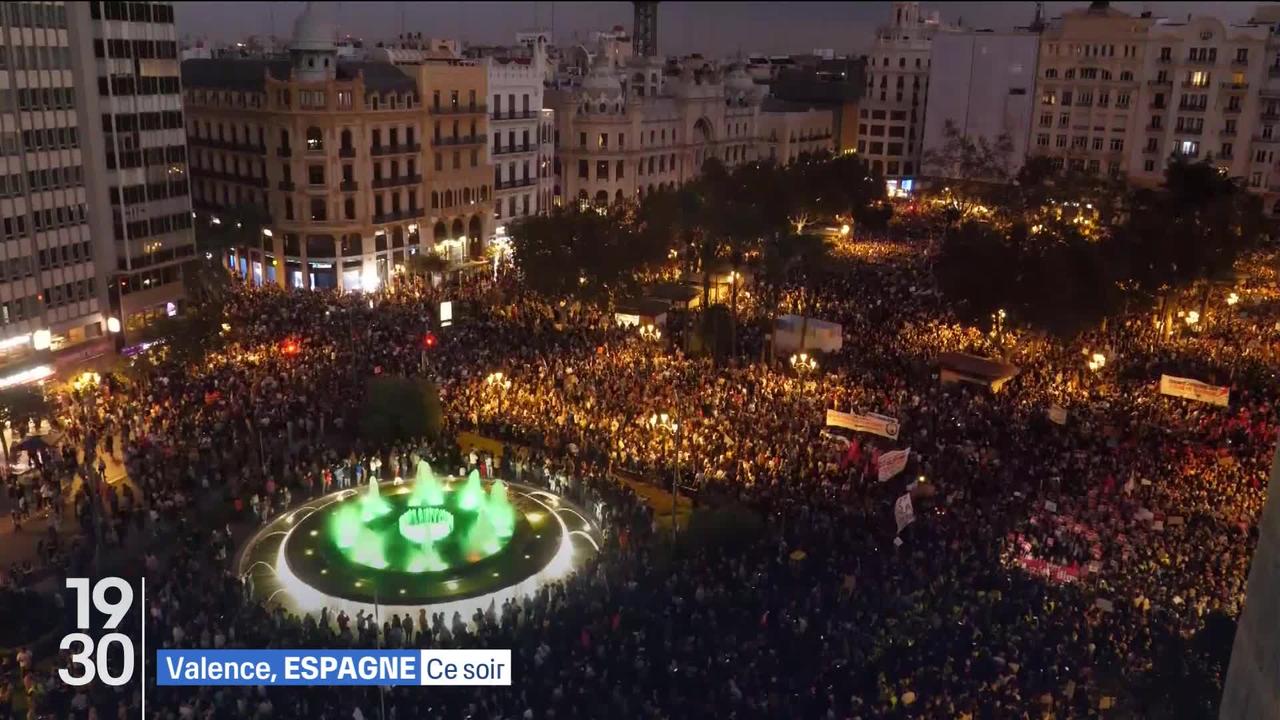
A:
{"points": [[873, 423], [903, 513], [1194, 390], [892, 463]]}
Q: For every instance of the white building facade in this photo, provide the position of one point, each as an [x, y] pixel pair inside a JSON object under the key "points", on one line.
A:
{"points": [[516, 124], [135, 158], [52, 292], [984, 84], [892, 112]]}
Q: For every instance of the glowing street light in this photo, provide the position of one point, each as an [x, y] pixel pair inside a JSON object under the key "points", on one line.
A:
{"points": [[1233, 298], [113, 325], [1097, 361], [803, 363], [845, 230], [651, 332], [667, 422], [1192, 317]]}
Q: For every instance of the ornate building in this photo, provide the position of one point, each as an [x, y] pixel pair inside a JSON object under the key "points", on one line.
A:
{"points": [[358, 164], [629, 129]]}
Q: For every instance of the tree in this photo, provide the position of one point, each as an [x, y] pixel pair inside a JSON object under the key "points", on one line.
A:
{"points": [[398, 408], [974, 169], [236, 228], [421, 266]]}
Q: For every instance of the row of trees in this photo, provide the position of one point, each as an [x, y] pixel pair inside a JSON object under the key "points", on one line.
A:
{"points": [[1073, 248], [757, 214]]}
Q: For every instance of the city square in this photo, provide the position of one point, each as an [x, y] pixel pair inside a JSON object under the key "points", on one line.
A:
{"points": [[934, 378]]}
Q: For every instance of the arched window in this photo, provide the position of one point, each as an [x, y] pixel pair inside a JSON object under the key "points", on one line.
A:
{"points": [[466, 196], [448, 198], [484, 193], [439, 232], [602, 198], [617, 197], [457, 230], [474, 227], [435, 200], [315, 139]]}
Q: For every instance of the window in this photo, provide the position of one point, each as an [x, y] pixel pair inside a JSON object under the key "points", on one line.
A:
{"points": [[1097, 143], [318, 212], [1046, 120], [603, 143], [1042, 140], [349, 208], [582, 139], [315, 140], [1117, 144], [315, 174], [1226, 149], [1060, 141], [1242, 56], [1197, 79], [584, 170], [602, 169], [1189, 148]]}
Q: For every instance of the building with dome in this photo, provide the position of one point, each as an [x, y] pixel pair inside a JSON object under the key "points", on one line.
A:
{"points": [[359, 164], [628, 129]]}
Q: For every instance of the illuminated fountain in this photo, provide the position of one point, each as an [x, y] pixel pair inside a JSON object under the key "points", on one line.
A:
{"points": [[471, 496], [445, 542]]}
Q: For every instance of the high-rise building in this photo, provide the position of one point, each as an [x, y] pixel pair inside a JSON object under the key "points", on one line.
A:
{"points": [[983, 84], [126, 58], [52, 297], [358, 164], [893, 106]]}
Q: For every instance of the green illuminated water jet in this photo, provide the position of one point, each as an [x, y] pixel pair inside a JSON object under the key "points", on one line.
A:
{"points": [[369, 550], [373, 505], [346, 526], [482, 540], [427, 560], [471, 496], [499, 510], [427, 490]]}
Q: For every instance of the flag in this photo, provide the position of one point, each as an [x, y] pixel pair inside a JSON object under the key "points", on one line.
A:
{"points": [[903, 513]]}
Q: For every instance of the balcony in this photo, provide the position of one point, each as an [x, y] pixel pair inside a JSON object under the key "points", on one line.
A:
{"points": [[1229, 109], [378, 150], [1158, 106], [1240, 62], [284, 151], [514, 115], [349, 186], [1150, 150], [509, 184], [1157, 82], [460, 109], [394, 215], [379, 183], [228, 145], [347, 152], [477, 139], [512, 149], [1200, 61], [1163, 60], [286, 186], [1191, 108], [1227, 132], [1195, 85], [1234, 85], [1189, 130]]}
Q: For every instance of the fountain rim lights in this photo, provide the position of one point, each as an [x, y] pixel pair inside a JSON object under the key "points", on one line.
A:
{"points": [[307, 599]]}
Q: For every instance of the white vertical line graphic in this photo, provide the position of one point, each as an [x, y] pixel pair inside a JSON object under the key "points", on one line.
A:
{"points": [[144, 647]]}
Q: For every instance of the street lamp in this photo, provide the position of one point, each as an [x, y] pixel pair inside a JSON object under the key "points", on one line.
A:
{"points": [[665, 421], [1096, 361], [651, 332], [1233, 298], [802, 363], [501, 383], [1192, 317], [845, 230]]}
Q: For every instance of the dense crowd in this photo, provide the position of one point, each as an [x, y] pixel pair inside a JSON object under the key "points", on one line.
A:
{"points": [[1048, 566]]}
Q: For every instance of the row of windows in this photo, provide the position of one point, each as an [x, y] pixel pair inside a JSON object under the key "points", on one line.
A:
{"points": [[139, 281], [1080, 142], [1084, 98], [77, 291], [132, 11], [16, 268], [132, 122], [48, 98], [138, 85], [21, 309], [664, 162], [602, 140], [37, 15], [1092, 50], [51, 139], [465, 196], [69, 254], [56, 177], [1088, 74], [53, 218], [140, 49], [136, 194], [167, 158], [153, 227], [36, 57]]}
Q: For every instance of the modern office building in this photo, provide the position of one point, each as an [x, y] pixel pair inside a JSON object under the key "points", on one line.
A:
{"points": [[982, 83], [52, 295], [358, 164], [125, 56]]}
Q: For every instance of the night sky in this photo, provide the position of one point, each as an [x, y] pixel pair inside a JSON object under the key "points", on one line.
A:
{"points": [[715, 29]]}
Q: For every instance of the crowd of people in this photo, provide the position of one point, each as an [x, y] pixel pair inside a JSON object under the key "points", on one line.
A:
{"points": [[1049, 564]]}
